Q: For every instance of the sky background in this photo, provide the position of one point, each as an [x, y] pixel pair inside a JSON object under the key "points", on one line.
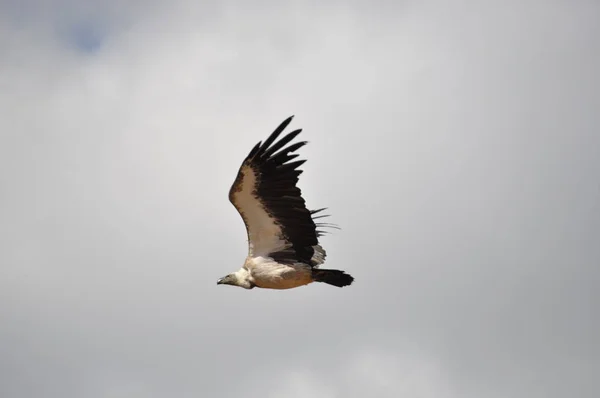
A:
{"points": [[455, 143]]}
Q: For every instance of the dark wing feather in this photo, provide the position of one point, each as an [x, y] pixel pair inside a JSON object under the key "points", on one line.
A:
{"points": [[266, 195]]}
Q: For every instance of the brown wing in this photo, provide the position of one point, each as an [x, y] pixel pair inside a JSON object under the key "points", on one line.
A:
{"points": [[266, 195]]}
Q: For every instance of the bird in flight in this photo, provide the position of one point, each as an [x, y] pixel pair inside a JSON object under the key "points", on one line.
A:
{"points": [[283, 239]]}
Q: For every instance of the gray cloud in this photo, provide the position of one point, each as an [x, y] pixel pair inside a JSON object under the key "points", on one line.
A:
{"points": [[455, 145]]}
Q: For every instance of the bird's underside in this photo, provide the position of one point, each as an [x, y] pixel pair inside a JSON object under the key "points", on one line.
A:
{"points": [[283, 239], [269, 274]]}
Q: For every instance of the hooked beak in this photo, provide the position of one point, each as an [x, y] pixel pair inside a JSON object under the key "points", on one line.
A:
{"points": [[227, 280]]}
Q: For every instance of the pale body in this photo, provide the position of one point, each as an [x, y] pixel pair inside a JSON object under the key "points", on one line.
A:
{"points": [[269, 274]]}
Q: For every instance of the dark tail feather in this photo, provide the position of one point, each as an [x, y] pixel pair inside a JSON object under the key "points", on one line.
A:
{"points": [[332, 277]]}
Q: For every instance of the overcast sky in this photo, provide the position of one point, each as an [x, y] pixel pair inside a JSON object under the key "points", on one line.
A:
{"points": [[456, 144]]}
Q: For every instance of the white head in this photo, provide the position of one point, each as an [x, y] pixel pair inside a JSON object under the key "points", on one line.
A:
{"points": [[241, 278]]}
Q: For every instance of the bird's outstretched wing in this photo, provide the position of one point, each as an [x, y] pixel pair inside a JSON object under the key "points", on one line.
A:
{"points": [[266, 195]]}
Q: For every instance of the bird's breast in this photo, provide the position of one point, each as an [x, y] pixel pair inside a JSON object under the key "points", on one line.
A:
{"points": [[273, 275]]}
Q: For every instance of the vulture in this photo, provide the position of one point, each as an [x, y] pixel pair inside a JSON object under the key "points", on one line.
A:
{"points": [[283, 239]]}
